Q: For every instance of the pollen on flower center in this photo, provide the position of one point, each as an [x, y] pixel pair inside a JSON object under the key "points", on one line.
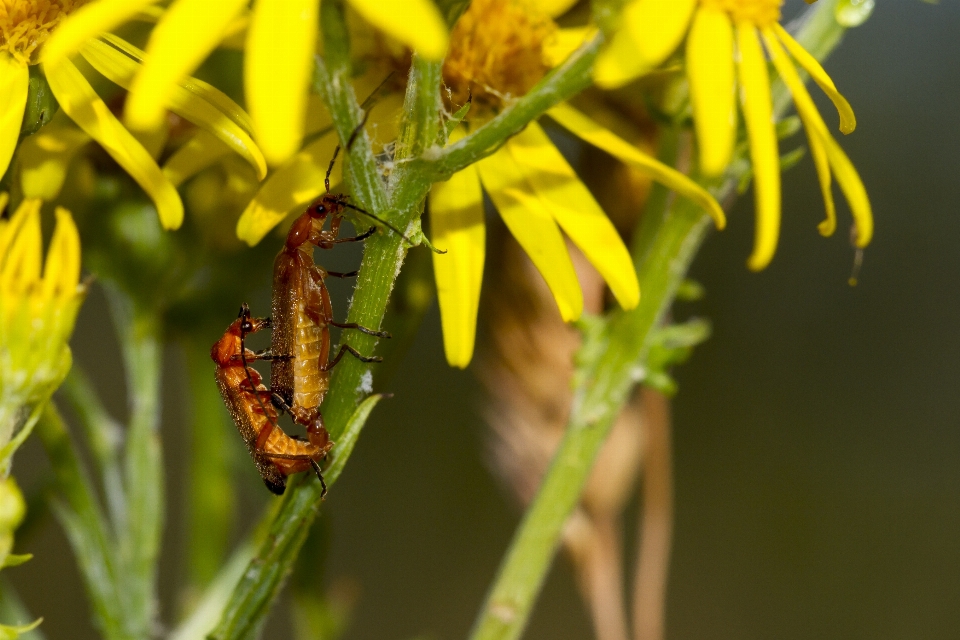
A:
{"points": [[496, 53], [758, 12], [26, 24]]}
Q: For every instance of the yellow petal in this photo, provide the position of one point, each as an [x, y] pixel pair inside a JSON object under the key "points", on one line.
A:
{"points": [[277, 70], [46, 155], [848, 121], [758, 114], [591, 132], [184, 37], [61, 273], [552, 8], [533, 226], [86, 23], [193, 99], [78, 99], [457, 226], [651, 31], [812, 123], [290, 187], [13, 100], [712, 88], [853, 190], [564, 42], [196, 154], [416, 23], [20, 261], [575, 210]]}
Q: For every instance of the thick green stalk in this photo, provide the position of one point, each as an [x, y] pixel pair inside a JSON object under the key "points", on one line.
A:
{"points": [[139, 334], [612, 363]]}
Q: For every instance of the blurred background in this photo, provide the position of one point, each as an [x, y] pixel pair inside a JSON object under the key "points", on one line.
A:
{"points": [[816, 434]]}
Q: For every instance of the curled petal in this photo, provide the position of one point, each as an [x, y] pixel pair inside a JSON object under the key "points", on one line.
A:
{"points": [[457, 226], [193, 99], [848, 121], [196, 154], [277, 69], [589, 131], [78, 99], [14, 77], [564, 42], [758, 114], [291, 186], [532, 224], [416, 23], [812, 123], [552, 8], [186, 34], [88, 22], [573, 207], [21, 257], [710, 68]]}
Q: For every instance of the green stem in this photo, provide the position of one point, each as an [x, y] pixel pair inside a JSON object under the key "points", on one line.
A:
{"points": [[212, 500], [614, 359], [86, 528], [139, 334]]}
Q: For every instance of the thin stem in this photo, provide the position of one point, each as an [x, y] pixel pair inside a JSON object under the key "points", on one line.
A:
{"points": [[139, 334], [212, 501], [605, 382], [86, 528]]}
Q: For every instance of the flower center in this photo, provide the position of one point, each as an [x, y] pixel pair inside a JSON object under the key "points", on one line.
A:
{"points": [[496, 54], [26, 24], [758, 12]]}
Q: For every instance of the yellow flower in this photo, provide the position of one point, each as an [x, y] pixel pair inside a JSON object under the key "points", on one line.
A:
{"points": [[499, 50], [281, 38], [47, 32], [723, 51], [37, 313]]}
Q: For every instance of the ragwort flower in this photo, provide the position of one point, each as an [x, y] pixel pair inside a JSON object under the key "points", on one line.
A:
{"points": [[37, 314], [281, 39], [723, 52], [47, 32], [500, 49]]}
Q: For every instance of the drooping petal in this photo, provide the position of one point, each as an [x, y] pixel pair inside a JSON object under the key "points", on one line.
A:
{"points": [[651, 31], [293, 185], [591, 132], [193, 99], [78, 99], [848, 121], [46, 155], [853, 189], [812, 123], [88, 22], [14, 77], [61, 272], [576, 211], [196, 154], [534, 228], [758, 114], [277, 69], [416, 23], [457, 226], [186, 34], [710, 68]]}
